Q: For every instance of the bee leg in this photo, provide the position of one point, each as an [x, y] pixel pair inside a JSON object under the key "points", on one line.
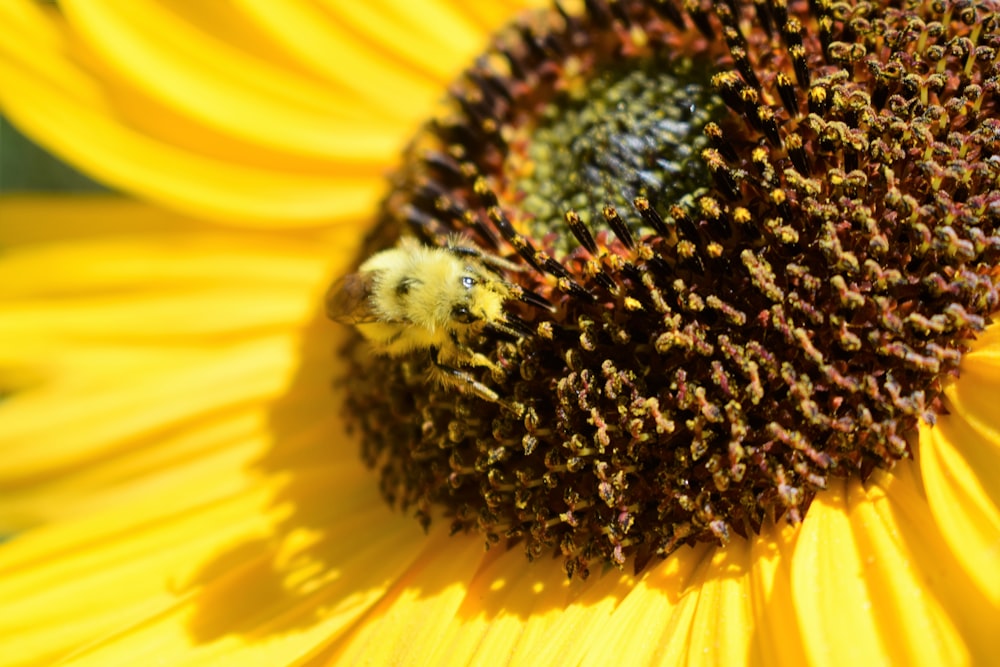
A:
{"points": [[471, 385], [481, 361], [470, 358]]}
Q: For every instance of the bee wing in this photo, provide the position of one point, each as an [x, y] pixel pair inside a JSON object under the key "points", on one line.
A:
{"points": [[349, 299]]}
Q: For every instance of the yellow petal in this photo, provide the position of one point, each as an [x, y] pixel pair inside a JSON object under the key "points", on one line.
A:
{"points": [[202, 76], [940, 584], [724, 624], [525, 615], [330, 49], [188, 181], [860, 594], [221, 581], [428, 596], [960, 466], [146, 342], [28, 21], [402, 31], [493, 14], [251, 173], [205, 503], [962, 507], [648, 620], [260, 113], [777, 638]]}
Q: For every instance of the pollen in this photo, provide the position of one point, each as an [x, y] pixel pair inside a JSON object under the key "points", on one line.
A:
{"points": [[746, 242]]}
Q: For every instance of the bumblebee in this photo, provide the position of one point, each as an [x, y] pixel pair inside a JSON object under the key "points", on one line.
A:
{"points": [[440, 299]]}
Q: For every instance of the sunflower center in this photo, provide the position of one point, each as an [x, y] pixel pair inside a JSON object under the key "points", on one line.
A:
{"points": [[736, 256], [621, 134]]}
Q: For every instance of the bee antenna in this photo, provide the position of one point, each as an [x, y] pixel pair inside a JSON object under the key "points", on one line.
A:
{"points": [[509, 330], [517, 324], [460, 246], [535, 299]]}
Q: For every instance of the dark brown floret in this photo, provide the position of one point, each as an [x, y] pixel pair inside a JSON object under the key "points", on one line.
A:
{"points": [[714, 352]]}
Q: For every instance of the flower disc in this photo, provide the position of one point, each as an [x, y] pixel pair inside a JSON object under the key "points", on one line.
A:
{"points": [[753, 238]]}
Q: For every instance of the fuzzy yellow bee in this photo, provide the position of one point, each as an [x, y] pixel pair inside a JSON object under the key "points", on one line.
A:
{"points": [[440, 299]]}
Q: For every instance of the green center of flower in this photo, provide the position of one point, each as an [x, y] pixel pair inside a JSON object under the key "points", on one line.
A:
{"points": [[708, 310], [625, 133]]}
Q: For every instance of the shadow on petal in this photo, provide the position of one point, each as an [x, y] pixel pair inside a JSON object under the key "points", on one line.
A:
{"points": [[340, 557]]}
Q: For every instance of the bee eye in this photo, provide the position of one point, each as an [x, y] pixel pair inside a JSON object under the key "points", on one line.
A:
{"points": [[468, 282], [403, 286], [463, 315]]}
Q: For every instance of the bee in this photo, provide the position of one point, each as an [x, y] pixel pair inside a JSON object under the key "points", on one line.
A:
{"points": [[438, 299]]}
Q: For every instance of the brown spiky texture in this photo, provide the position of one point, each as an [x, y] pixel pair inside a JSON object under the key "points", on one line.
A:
{"points": [[712, 355]]}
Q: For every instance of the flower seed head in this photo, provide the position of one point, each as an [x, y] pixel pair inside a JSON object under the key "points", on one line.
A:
{"points": [[753, 240]]}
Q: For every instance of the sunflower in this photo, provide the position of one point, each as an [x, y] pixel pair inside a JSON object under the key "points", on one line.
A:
{"points": [[181, 487]]}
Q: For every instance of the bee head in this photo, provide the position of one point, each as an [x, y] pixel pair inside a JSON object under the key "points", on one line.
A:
{"points": [[480, 298]]}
